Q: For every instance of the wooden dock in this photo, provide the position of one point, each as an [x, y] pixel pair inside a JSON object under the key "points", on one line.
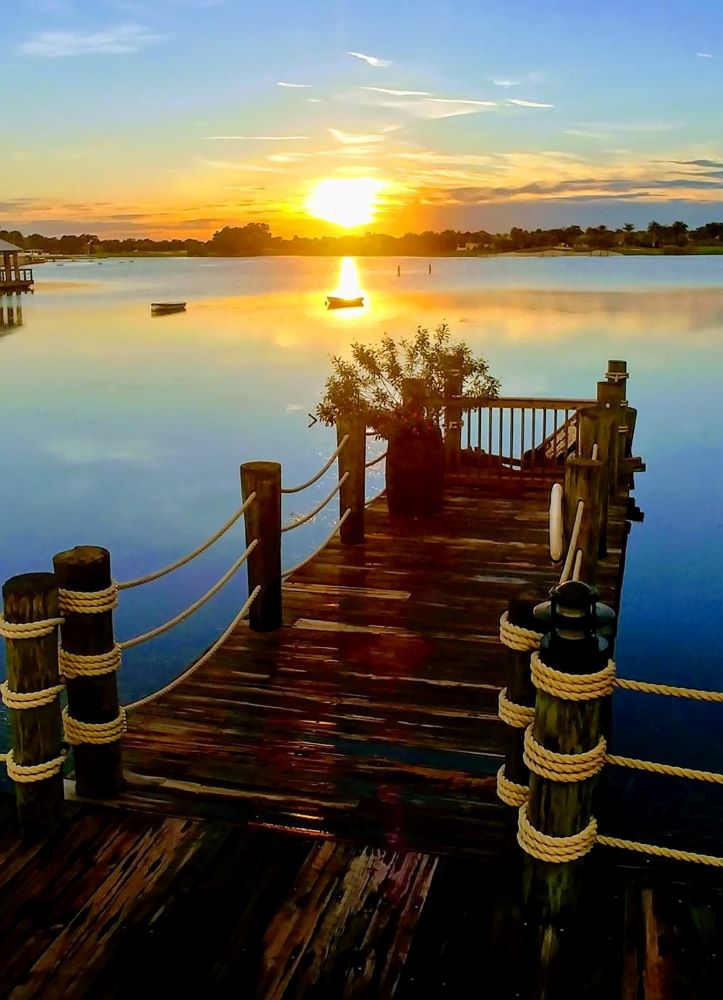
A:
{"points": [[313, 812]]}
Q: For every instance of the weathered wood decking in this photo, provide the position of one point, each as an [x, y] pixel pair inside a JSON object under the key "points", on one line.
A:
{"points": [[312, 813], [373, 713]]}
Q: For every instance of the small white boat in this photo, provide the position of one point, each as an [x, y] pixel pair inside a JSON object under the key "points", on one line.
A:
{"points": [[161, 308], [341, 302]]}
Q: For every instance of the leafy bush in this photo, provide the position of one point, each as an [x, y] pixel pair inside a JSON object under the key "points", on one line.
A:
{"points": [[370, 383]]}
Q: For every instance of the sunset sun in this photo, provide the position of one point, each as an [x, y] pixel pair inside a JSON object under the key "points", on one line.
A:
{"points": [[348, 202]]}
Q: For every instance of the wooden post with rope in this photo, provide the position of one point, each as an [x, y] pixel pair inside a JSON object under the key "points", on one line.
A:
{"points": [[584, 482], [628, 464], [559, 808], [352, 459], [519, 689], [92, 698], [452, 412], [262, 521], [32, 665]]}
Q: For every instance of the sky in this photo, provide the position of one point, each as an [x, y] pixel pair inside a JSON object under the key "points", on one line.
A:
{"points": [[178, 117]]}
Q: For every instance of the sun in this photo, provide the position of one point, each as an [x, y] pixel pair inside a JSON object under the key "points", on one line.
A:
{"points": [[345, 201]]}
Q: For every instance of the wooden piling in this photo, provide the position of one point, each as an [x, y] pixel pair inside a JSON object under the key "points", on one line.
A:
{"points": [[584, 481], [32, 665], [262, 521], [97, 767], [452, 412], [561, 809], [352, 459], [520, 688]]}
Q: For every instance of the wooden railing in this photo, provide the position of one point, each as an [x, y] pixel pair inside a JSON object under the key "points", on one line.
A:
{"points": [[516, 434], [11, 276]]}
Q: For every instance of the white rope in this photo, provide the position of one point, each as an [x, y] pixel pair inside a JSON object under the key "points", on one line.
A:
{"points": [[93, 733], [160, 629], [375, 461], [91, 602], [203, 659], [323, 545], [515, 637], [320, 473], [26, 773], [89, 664], [138, 581], [20, 700], [376, 496], [320, 506], [567, 568], [594, 454], [577, 568], [28, 630]]}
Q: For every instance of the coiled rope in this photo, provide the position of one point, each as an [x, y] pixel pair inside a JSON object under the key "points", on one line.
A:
{"points": [[515, 715], [73, 665], [322, 470], [139, 580], [20, 700], [320, 506], [93, 602], [94, 733], [160, 629], [27, 773], [28, 630], [517, 638]]}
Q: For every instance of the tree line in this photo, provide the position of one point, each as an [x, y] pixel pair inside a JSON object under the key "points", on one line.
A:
{"points": [[256, 239]]}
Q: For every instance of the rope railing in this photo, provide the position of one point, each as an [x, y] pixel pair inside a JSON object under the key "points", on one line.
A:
{"points": [[323, 545], [322, 470], [319, 507], [572, 547], [140, 702], [555, 766], [375, 461], [149, 577], [177, 619]]}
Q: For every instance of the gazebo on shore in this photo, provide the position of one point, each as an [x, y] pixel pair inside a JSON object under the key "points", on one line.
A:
{"points": [[13, 278]]}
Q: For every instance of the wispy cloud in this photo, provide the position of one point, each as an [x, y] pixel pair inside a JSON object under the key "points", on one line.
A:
{"points": [[705, 55], [261, 138], [462, 101], [119, 40], [586, 134], [372, 60], [506, 83], [528, 104], [352, 139], [294, 86], [398, 93]]}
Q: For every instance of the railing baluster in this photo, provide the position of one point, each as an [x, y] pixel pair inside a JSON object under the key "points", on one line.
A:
{"points": [[534, 440]]}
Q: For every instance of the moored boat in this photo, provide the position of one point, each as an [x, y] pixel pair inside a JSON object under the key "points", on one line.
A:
{"points": [[161, 308], [341, 302]]}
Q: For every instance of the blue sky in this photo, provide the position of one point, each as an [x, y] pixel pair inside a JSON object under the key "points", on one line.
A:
{"points": [[171, 116]]}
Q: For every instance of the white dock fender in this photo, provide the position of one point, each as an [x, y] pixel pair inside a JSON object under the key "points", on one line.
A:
{"points": [[557, 540]]}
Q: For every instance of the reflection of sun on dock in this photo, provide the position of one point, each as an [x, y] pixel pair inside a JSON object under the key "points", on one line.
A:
{"points": [[348, 294]]}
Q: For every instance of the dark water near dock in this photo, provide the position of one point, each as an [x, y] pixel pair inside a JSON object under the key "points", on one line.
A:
{"points": [[127, 431]]}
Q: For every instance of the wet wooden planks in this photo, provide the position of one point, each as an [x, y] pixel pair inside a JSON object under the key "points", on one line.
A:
{"points": [[118, 904], [376, 704]]}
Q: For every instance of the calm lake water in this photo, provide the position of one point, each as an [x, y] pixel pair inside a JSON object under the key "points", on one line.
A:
{"points": [[127, 431]]}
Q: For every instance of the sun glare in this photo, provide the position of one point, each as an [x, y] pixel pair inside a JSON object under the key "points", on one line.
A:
{"points": [[346, 201]]}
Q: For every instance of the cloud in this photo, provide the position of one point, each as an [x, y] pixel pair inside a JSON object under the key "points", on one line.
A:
{"points": [[350, 139], [463, 101], [528, 104], [294, 86], [398, 93], [372, 60], [119, 40], [506, 83], [585, 134], [263, 138], [705, 55]]}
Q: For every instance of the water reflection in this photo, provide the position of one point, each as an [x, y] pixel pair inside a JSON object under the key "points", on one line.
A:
{"points": [[11, 312], [129, 434]]}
